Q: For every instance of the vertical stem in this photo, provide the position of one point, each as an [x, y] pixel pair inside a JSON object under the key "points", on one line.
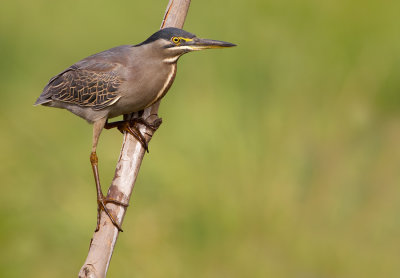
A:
{"points": [[130, 159]]}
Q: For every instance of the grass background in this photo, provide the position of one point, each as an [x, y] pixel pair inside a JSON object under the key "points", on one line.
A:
{"points": [[278, 158]]}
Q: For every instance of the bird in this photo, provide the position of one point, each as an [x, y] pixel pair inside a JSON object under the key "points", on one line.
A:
{"points": [[121, 80]]}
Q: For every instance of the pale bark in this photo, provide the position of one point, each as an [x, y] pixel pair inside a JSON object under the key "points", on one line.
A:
{"points": [[130, 159]]}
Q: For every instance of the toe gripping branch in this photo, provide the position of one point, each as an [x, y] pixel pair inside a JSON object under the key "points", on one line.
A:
{"points": [[131, 126]]}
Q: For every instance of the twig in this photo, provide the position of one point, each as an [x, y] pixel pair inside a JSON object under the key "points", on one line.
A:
{"points": [[130, 159]]}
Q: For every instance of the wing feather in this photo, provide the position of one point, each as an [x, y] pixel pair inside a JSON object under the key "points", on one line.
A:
{"points": [[92, 82], [86, 86]]}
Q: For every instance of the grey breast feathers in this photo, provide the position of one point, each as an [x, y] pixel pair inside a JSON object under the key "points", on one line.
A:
{"points": [[92, 82]]}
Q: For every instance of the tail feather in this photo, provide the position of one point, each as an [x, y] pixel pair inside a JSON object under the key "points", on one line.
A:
{"points": [[41, 101], [45, 97]]}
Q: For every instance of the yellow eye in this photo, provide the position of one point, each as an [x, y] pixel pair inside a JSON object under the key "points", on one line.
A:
{"points": [[176, 40]]}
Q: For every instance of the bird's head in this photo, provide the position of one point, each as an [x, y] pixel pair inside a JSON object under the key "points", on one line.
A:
{"points": [[173, 43]]}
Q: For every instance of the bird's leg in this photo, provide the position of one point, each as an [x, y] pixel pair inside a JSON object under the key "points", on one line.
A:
{"points": [[101, 200], [131, 127]]}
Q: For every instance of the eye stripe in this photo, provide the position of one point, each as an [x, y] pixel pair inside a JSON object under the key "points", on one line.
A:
{"points": [[177, 40]]}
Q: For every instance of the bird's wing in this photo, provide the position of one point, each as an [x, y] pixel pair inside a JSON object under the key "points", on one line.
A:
{"points": [[87, 83]]}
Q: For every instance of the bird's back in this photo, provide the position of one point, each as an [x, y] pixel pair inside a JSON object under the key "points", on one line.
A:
{"points": [[90, 85]]}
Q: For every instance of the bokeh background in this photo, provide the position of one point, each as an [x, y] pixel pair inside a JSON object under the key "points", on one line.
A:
{"points": [[278, 158]]}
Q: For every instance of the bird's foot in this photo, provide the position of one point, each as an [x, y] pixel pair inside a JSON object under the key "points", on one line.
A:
{"points": [[131, 126], [101, 205], [153, 125]]}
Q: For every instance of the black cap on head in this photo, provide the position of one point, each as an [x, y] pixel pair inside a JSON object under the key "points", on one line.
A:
{"points": [[167, 34]]}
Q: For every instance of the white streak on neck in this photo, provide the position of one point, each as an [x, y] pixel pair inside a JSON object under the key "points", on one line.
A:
{"points": [[166, 84], [171, 60]]}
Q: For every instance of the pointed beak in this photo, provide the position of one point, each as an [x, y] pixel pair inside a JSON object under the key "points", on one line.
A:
{"points": [[200, 44]]}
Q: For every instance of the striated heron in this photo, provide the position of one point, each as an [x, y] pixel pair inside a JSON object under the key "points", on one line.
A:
{"points": [[121, 80]]}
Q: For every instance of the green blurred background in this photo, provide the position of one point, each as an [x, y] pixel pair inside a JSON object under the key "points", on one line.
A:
{"points": [[278, 158]]}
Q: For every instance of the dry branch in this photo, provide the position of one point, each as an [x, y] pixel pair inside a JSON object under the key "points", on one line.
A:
{"points": [[130, 159]]}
